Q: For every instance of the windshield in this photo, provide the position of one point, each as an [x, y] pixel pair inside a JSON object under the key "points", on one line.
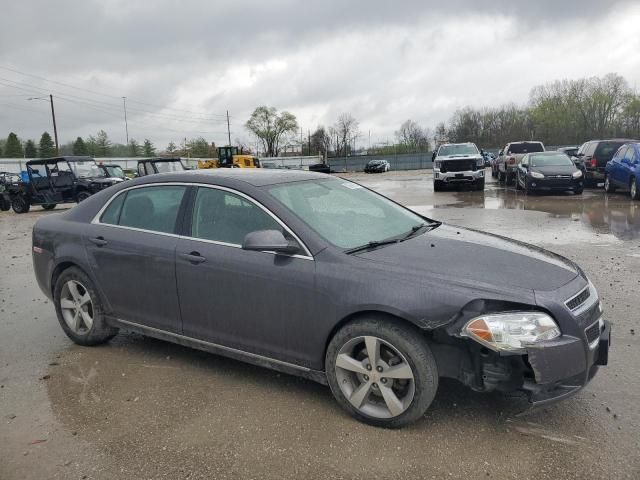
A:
{"points": [[344, 213], [526, 147], [115, 171], [86, 169], [560, 160], [175, 166], [465, 149]]}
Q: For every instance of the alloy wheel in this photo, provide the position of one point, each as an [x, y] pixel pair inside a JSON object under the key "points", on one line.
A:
{"points": [[375, 377], [77, 307], [634, 189]]}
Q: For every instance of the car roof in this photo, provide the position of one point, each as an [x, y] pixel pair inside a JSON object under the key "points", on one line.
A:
{"points": [[461, 143], [256, 177], [48, 161], [547, 153]]}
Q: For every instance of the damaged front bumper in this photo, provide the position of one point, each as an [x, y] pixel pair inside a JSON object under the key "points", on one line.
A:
{"points": [[563, 366]]}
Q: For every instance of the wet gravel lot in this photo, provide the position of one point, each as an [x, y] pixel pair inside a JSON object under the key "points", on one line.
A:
{"points": [[142, 408]]}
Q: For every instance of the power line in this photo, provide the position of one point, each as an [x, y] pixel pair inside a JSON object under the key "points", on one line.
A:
{"points": [[221, 115], [97, 103]]}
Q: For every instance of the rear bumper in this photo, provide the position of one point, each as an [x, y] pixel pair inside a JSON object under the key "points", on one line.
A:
{"points": [[594, 175]]}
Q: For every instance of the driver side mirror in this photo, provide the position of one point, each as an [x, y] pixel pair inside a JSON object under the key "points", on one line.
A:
{"points": [[269, 241]]}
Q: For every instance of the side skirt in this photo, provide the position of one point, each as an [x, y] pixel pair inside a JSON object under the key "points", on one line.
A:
{"points": [[247, 357]]}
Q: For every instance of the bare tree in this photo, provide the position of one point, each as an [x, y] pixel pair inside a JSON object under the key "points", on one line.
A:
{"points": [[321, 141], [346, 131], [413, 137], [272, 128]]}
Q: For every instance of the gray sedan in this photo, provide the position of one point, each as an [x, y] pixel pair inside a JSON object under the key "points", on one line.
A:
{"points": [[317, 276]]}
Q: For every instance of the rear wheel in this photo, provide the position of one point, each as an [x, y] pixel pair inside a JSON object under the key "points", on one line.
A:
{"points": [[382, 372], [20, 204], [80, 310], [608, 186], [49, 206], [634, 192]]}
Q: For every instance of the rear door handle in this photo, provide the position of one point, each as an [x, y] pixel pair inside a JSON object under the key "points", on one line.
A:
{"points": [[193, 257], [99, 241]]}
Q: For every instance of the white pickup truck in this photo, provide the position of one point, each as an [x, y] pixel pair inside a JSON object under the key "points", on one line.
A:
{"points": [[458, 163], [511, 155]]}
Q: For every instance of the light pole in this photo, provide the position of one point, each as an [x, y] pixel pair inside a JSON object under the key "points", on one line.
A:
{"points": [[126, 126], [53, 116]]}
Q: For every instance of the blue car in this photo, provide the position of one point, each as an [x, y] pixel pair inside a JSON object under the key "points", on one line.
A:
{"points": [[623, 171]]}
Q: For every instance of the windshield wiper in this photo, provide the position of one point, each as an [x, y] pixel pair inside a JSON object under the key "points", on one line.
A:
{"points": [[417, 228], [372, 244]]}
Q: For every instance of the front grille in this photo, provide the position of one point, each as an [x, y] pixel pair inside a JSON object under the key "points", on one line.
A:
{"points": [[579, 299], [458, 166], [593, 332]]}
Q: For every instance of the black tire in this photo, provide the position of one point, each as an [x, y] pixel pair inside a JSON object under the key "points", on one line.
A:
{"points": [[518, 187], [438, 186], [5, 203], [20, 204], [407, 340], [501, 176], [608, 186], [49, 206], [634, 191], [82, 196], [99, 332], [578, 191], [479, 185]]}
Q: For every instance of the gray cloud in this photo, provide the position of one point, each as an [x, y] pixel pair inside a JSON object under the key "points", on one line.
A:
{"points": [[383, 61]]}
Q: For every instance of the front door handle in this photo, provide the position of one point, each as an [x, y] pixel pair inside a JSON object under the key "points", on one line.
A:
{"points": [[194, 257], [99, 241]]}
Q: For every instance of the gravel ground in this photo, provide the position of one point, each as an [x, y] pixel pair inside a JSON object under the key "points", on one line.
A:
{"points": [[142, 408]]}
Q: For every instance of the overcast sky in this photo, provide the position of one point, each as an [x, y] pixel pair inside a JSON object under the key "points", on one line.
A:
{"points": [[183, 64]]}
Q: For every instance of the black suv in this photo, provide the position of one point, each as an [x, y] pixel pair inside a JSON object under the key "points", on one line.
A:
{"points": [[59, 180], [594, 155]]}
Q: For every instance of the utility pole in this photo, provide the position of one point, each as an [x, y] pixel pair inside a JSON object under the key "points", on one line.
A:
{"points": [[309, 137], [228, 128], [126, 126], [55, 128]]}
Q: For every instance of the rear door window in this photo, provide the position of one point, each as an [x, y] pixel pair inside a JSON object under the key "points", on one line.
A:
{"points": [[153, 208]]}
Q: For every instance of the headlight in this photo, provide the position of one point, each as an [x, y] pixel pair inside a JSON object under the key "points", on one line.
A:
{"points": [[577, 174], [480, 162], [511, 331], [537, 175], [437, 164]]}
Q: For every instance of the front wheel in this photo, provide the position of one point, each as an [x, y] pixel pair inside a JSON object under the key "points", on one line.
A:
{"points": [[438, 186], [518, 186], [20, 204], [80, 310], [479, 185], [382, 372], [608, 186], [633, 189]]}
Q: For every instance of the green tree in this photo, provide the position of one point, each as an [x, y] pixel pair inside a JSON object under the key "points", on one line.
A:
{"points": [[198, 147], [79, 147], [103, 144], [133, 149], [271, 127], [30, 150], [47, 148], [171, 148], [148, 150], [13, 147]]}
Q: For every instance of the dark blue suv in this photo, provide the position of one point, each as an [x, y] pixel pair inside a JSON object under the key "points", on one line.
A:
{"points": [[623, 171]]}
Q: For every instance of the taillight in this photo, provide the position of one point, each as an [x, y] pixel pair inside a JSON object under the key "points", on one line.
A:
{"points": [[512, 160], [594, 162]]}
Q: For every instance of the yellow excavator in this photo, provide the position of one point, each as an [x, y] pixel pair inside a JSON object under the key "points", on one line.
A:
{"points": [[230, 157]]}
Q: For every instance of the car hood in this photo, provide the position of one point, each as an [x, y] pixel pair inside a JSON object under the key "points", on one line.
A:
{"points": [[555, 170], [478, 258]]}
